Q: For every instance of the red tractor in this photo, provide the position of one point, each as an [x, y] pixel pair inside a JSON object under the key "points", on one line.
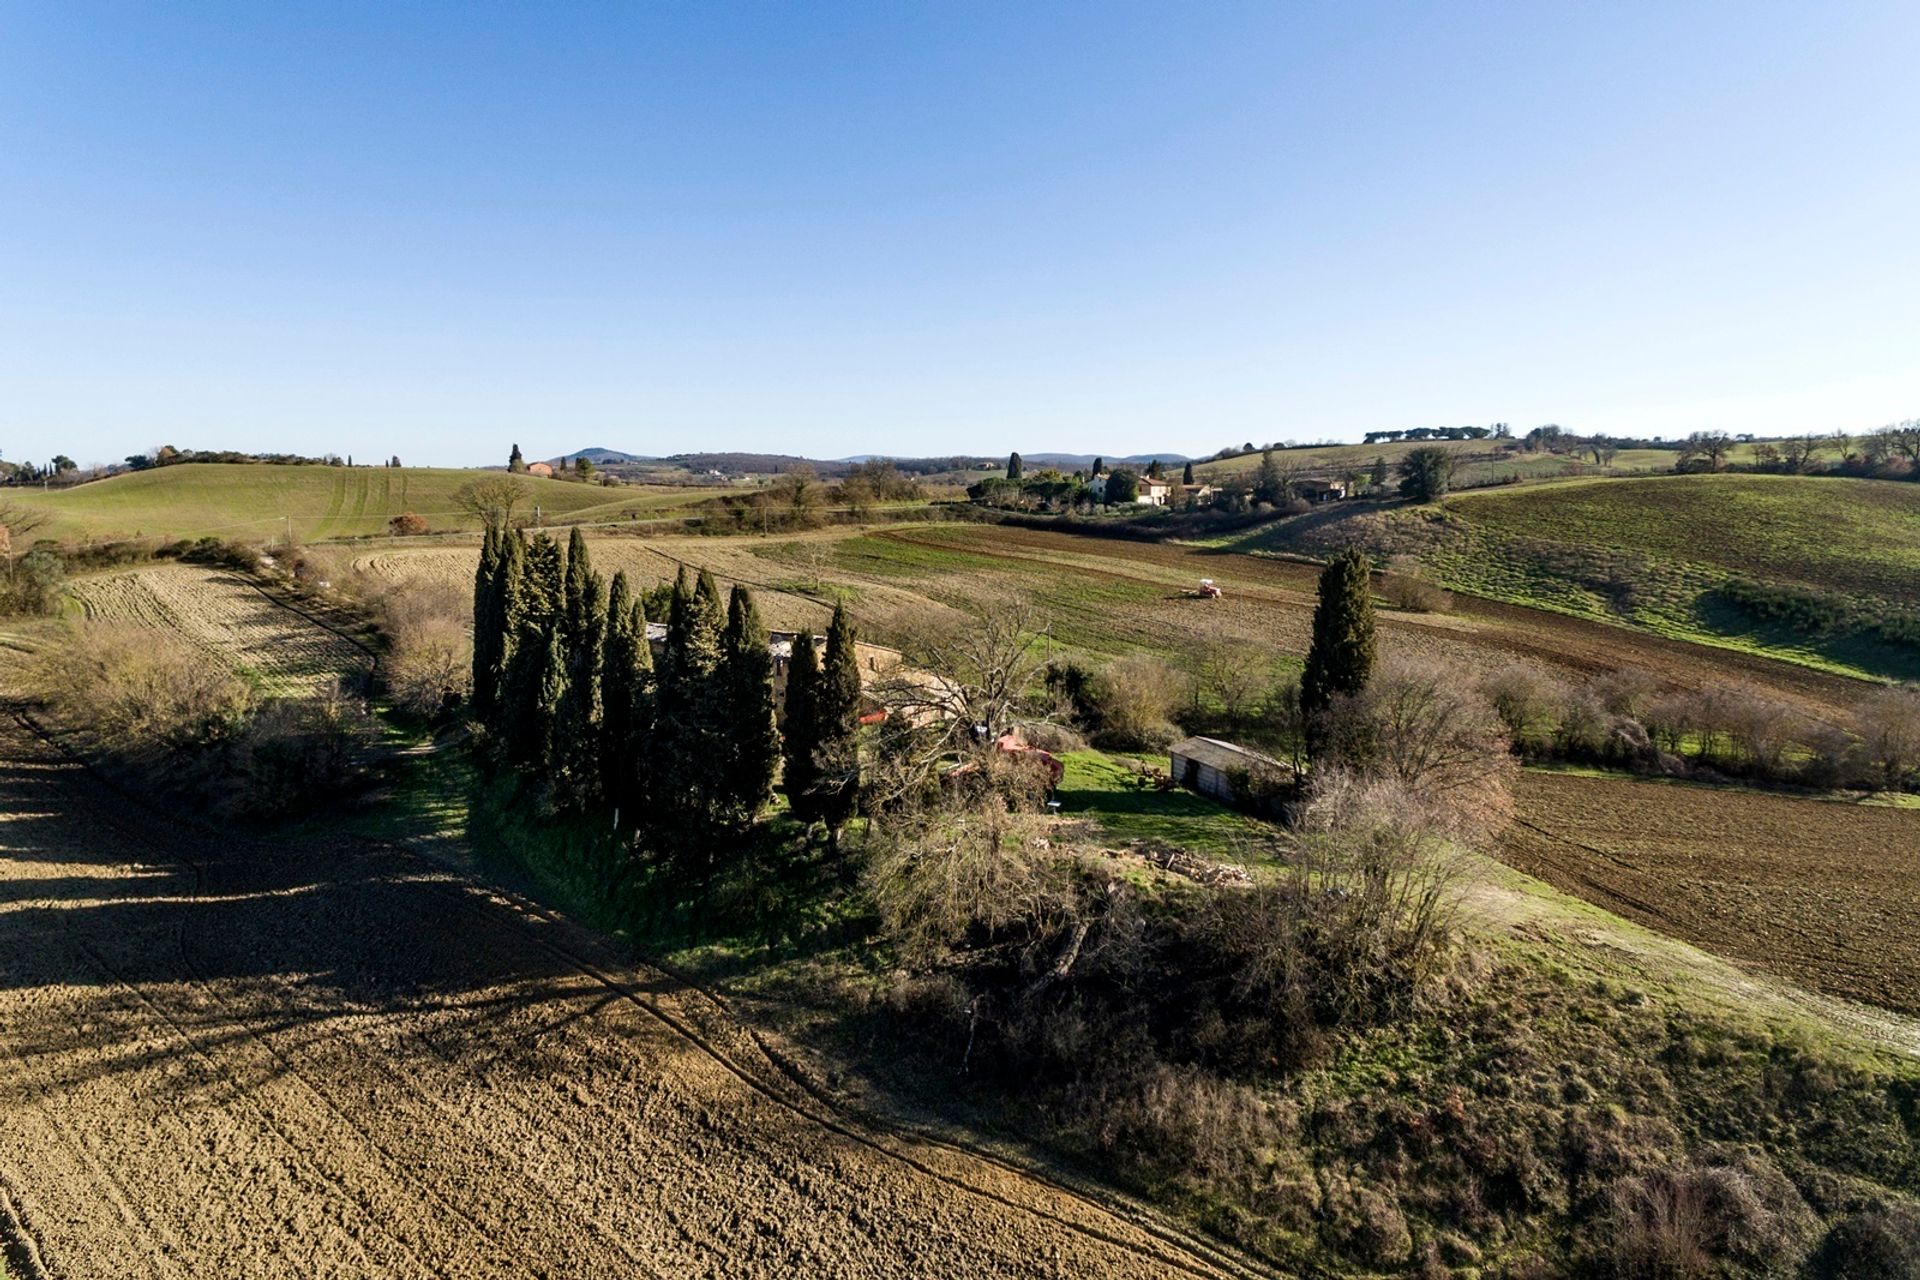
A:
{"points": [[1207, 590]]}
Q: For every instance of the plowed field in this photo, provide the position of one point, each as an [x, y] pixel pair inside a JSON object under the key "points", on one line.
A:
{"points": [[309, 1060], [223, 613], [1824, 893]]}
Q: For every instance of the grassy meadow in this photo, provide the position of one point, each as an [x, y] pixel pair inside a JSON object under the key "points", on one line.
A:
{"points": [[255, 502], [1662, 552], [1479, 466]]}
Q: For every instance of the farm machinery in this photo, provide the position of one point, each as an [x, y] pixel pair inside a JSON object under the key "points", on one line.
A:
{"points": [[1207, 590]]}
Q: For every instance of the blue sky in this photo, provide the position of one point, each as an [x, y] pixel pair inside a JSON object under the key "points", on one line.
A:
{"points": [[912, 229]]}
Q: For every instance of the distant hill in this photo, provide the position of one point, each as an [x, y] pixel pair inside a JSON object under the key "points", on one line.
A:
{"points": [[254, 501], [1111, 459], [600, 457]]}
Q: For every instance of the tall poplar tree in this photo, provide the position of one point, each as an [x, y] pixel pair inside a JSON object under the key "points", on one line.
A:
{"points": [[1341, 657], [750, 741]]}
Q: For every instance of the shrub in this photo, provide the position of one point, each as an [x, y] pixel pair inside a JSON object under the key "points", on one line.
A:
{"points": [[171, 721], [140, 691], [429, 663], [1871, 1245], [1436, 737], [1128, 705], [1529, 703], [407, 525], [1404, 585], [1739, 1217], [33, 585]]}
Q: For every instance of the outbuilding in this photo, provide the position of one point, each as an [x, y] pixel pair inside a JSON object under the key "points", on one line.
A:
{"points": [[1222, 771]]}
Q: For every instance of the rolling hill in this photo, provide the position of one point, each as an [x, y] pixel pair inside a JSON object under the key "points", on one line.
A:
{"points": [[256, 500], [1819, 570]]}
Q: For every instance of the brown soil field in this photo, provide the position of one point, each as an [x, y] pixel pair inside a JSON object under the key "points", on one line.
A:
{"points": [[227, 616], [1824, 893], [237, 1059], [1111, 596]]}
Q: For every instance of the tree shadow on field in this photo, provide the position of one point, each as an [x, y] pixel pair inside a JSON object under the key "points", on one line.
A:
{"points": [[133, 944]]}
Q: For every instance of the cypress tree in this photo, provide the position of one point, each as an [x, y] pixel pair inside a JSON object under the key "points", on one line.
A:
{"points": [[1340, 659], [837, 722], [1268, 484], [487, 639], [626, 675], [546, 577], [801, 732], [582, 629], [1015, 468], [679, 624], [1099, 465], [553, 754], [532, 608], [688, 726], [752, 745], [1186, 476], [577, 589]]}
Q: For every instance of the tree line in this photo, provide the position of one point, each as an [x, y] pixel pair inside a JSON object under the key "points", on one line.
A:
{"points": [[683, 750]]}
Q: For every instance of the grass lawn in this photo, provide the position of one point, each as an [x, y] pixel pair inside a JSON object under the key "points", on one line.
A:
{"points": [[1128, 807]]}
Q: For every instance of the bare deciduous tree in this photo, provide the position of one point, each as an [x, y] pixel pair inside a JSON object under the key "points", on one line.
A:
{"points": [[491, 501], [959, 688], [1420, 725], [1889, 726]]}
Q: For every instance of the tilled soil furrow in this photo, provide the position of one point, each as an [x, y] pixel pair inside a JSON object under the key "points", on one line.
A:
{"points": [[312, 1061]]}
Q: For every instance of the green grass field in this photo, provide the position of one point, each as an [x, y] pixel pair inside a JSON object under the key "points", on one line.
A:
{"points": [[1478, 468], [255, 500], [1658, 552], [1860, 537], [1128, 807]]}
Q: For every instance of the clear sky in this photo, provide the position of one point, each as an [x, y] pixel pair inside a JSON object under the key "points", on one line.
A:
{"points": [[936, 228]]}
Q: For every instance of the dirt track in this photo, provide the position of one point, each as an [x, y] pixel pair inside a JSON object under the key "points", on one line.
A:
{"points": [[220, 1059]]}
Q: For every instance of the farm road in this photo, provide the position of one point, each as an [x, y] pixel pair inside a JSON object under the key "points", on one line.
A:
{"points": [[248, 1060]]}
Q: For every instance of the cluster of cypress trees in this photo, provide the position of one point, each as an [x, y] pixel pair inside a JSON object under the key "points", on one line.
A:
{"points": [[683, 751]]}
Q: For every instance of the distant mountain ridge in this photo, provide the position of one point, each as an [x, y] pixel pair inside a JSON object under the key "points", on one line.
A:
{"points": [[745, 461], [1111, 459]]}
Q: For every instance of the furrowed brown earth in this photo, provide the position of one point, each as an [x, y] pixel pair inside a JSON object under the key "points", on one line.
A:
{"points": [[344, 1059], [1822, 892], [229, 617]]}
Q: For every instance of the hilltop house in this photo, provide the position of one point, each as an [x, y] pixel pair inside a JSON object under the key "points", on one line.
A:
{"points": [[1198, 495], [1320, 490], [873, 660], [1152, 492], [540, 468]]}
